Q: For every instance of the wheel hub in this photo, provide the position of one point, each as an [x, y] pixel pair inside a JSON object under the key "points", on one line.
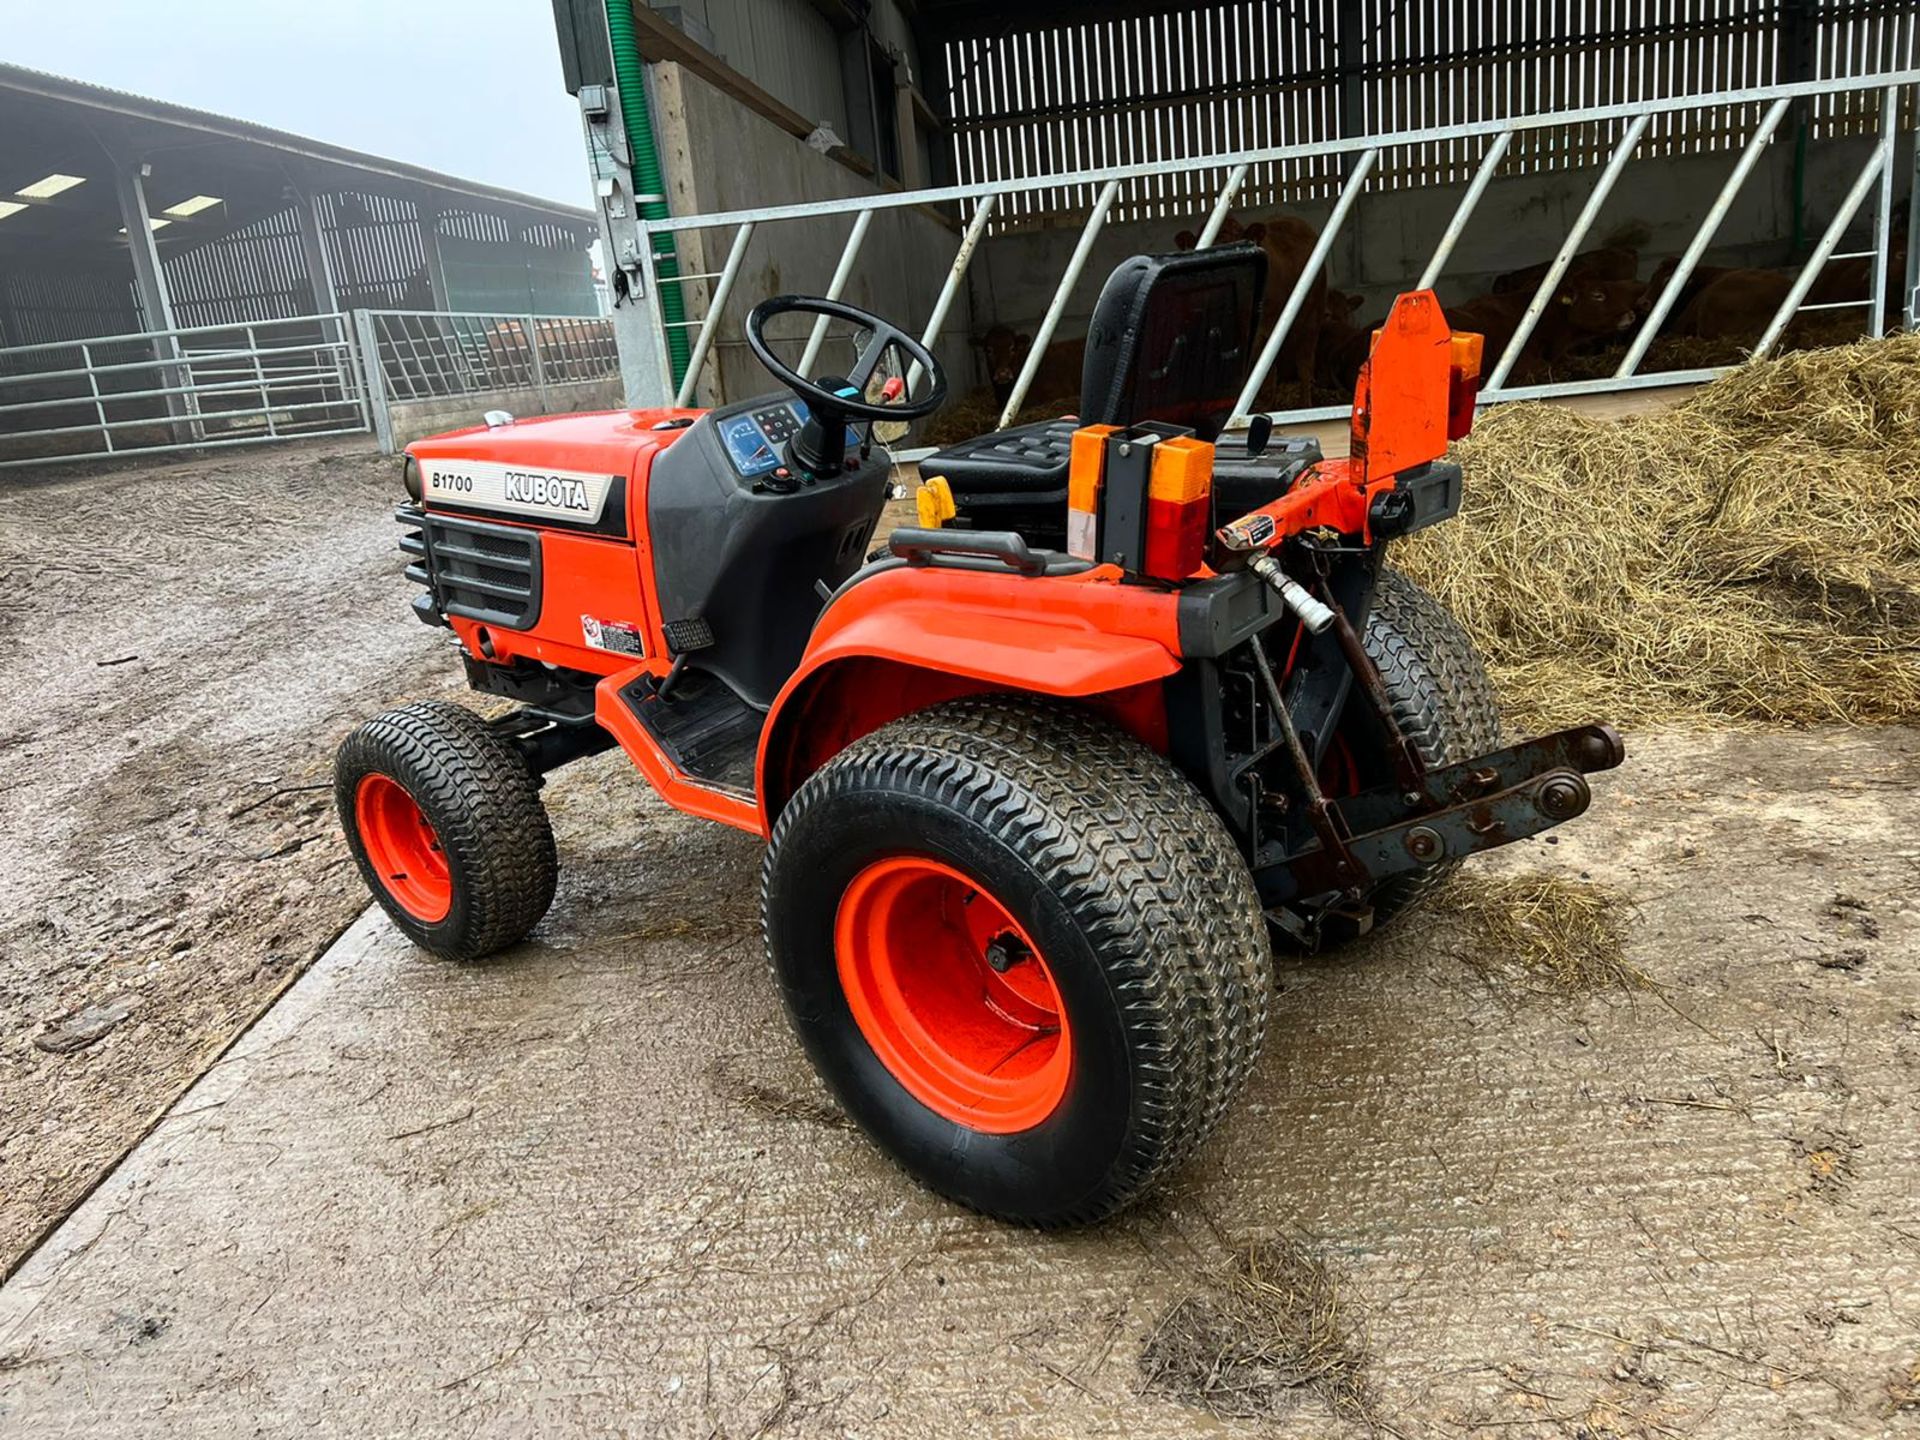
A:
{"points": [[403, 848], [952, 995]]}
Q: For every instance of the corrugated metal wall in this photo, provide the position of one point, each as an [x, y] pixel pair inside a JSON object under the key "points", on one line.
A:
{"points": [[1250, 74]]}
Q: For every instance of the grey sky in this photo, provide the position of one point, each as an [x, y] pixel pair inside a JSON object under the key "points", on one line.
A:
{"points": [[470, 88]]}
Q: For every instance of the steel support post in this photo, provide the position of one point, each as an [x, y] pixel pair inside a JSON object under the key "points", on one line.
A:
{"points": [[1883, 211], [645, 370], [436, 263], [1911, 305], [539, 362], [156, 304], [320, 279], [313, 250], [374, 378]]}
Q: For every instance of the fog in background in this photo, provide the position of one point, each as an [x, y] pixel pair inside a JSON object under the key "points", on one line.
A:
{"points": [[472, 89]]}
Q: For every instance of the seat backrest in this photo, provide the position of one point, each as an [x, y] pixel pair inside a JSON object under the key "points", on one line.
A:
{"points": [[1172, 338]]}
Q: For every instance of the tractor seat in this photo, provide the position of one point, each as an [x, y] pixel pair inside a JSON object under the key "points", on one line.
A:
{"points": [[1024, 465], [1171, 339]]}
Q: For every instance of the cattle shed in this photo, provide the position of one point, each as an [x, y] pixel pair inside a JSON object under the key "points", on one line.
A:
{"points": [[123, 214], [169, 276], [874, 148]]}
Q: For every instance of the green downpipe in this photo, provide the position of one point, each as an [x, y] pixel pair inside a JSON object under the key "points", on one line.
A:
{"points": [[630, 74]]}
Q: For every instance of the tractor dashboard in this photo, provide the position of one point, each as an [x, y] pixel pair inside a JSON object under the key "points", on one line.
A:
{"points": [[755, 433]]}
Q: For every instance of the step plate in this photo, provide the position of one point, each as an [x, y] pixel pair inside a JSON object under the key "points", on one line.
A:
{"points": [[711, 734]]}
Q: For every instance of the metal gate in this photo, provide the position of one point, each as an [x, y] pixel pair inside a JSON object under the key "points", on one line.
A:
{"points": [[1883, 107], [165, 390]]}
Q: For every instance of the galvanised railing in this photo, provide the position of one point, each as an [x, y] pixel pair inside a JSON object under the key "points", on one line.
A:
{"points": [[1360, 157], [413, 355]]}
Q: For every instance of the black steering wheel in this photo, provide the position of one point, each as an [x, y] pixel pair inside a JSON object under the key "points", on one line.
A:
{"points": [[833, 400]]}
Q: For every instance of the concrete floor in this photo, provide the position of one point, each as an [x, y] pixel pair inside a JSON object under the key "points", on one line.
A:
{"points": [[166, 836], [591, 1188]]}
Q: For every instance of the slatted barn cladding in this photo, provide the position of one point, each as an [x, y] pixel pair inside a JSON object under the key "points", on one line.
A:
{"points": [[377, 250], [253, 273], [40, 306], [1251, 74]]}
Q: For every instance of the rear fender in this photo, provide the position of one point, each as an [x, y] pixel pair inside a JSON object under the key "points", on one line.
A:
{"points": [[908, 638]]}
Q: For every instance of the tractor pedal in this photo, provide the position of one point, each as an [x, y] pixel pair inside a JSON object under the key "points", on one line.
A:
{"points": [[684, 636]]}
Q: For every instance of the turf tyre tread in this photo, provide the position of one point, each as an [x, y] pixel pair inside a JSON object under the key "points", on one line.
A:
{"points": [[483, 803], [1138, 860], [1442, 701]]}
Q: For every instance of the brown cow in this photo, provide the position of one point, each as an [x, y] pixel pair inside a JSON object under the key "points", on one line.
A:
{"points": [[1289, 243], [1058, 377], [1606, 262], [1578, 315], [1735, 305], [1739, 304], [1702, 276]]}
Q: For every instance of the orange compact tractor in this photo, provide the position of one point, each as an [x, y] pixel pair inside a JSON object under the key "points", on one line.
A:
{"points": [[1043, 780]]}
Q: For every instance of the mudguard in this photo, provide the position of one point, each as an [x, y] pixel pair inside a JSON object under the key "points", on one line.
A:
{"points": [[916, 635]]}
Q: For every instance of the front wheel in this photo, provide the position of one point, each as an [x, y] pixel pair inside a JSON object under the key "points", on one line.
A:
{"points": [[445, 822], [1022, 951]]}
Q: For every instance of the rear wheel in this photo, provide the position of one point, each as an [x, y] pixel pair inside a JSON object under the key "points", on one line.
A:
{"points": [[1022, 950], [445, 822], [1441, 699]]}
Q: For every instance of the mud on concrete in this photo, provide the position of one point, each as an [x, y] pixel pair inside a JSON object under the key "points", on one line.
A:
{"points": [[186, 643], [592, 1188]]}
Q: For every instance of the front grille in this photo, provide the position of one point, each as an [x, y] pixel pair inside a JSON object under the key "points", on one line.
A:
{"points": [[489, 573]]}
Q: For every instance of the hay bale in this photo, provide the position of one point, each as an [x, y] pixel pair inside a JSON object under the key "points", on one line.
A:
{"points": [[1750, 555]]}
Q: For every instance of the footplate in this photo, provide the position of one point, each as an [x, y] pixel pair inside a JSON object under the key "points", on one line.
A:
{"points": [[1459, 810]]}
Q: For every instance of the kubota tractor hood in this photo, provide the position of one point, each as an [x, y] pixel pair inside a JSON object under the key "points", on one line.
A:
{"points": [[606, 441]]}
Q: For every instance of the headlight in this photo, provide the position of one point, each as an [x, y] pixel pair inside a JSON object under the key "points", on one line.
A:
{"points": [[410, 479]]}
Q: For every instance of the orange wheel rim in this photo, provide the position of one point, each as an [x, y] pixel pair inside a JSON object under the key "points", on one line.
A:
{"points": [[402, 848], [952, 995]]}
